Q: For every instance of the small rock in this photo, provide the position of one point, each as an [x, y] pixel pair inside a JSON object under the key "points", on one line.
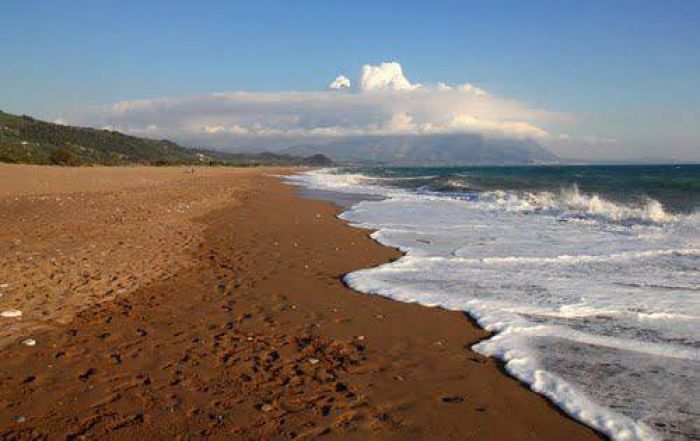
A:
{"points": [[452, 399], [20, 419], [4, 285], [29, 342], [398, 378], [379, 316], [361, 337], [266, 407], [87, 374], [313, 360], [29, 379], [11, 313]]}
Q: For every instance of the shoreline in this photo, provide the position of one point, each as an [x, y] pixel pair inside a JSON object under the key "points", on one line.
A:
{"points": [[344, 202], [256, 335]]}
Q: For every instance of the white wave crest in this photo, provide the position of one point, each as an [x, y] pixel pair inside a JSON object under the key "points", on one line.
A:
{"points": [[572, 202], [458, 183], [331, 180]]}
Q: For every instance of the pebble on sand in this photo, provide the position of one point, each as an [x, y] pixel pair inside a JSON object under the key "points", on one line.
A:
{"points": [[313, 360], [29, 342], [4, 285], [11, 313], [266, 407]]}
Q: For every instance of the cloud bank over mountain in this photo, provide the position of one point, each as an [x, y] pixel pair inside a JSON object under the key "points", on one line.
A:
{"points": [[381, 101]]}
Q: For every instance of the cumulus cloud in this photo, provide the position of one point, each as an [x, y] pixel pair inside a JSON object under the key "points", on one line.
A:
{"points": [[384, 102], [340, 82], [386, 76]]}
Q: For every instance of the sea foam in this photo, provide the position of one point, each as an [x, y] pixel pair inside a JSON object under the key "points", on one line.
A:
{"points": [[593, 303]]}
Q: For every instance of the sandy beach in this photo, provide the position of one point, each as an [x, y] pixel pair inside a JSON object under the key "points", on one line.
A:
{"points": [[163, 303]]}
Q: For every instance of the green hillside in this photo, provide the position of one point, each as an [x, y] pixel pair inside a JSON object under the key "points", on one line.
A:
{"points": [[25, 140]]}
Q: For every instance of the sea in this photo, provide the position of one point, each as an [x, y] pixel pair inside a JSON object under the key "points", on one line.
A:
{"points": [[588, 277]]}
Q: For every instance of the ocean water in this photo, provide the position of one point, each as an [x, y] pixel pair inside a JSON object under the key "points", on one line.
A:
{"points": [[588, 276]]}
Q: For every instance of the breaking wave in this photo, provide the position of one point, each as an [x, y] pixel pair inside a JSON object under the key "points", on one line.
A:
{"points": [[571, 202], [592, 297]]}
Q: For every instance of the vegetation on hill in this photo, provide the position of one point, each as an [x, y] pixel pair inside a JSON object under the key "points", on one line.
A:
{"points": [[26, 140]]}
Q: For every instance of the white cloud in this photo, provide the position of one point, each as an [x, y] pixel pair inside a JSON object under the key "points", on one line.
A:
{"points": [[384, 103], [472, 89], [386, 76], [340, 82]]}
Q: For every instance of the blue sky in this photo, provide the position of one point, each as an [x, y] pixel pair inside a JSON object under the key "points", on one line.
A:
{"points": [[626, 71]]}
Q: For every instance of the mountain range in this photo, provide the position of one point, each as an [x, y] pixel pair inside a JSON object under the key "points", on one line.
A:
{"points": [[428, 150]]}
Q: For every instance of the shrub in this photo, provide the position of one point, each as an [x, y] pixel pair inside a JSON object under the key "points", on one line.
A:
{"points": [[64, 157]]}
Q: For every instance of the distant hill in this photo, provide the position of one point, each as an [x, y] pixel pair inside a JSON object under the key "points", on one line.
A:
{"points": [[429, 150], [26, 140], [318, 160]]}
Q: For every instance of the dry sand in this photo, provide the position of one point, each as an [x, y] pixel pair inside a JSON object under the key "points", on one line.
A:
{"points": [[171, 305], [76, 236]]}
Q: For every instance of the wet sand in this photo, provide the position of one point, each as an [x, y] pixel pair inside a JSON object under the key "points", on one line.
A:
{"points": [[171, 305]]}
